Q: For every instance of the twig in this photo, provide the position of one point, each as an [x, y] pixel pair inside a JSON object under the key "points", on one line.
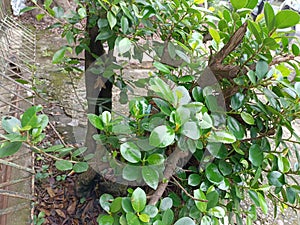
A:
{"points": [[281, 59], [186, 192], [16, 194], [16, 166]]}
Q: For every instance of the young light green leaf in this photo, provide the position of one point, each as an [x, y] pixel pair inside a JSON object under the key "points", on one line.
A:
{"points": [[217, 211], [215, 35], [105, 220], [238, 4], [95, 121], [138, 200], [199, 204], [281, 20], [222, 136]]}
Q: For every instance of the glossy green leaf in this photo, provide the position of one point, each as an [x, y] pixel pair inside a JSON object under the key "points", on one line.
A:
{"points": [[126, 205], [162, 67], [181, 96], [138, 199], [124, 24], [215, 35], [248, 118], [185, 221], [194, 179], [217, 211], [262, 202], [161, 89], [95, 121], [236, 128], [132, 219], [276, 178], [150, 176], [156, 159], [225, 167], [59, 56], [162, 136], [206, 121], [206, 220], [124, 45], [10, 124], [256, 155], [295, 49], [238, 4], [281, 20], [163, 105], [222, 137], [131, 173], [255, 30], [197, 93], [102, 23], [212, 198], [130, 152], [168, 217], [237, 100], [63, 165], [254, 196], [151, 210], [144, 217], [116, 205], [269, 16], [291, 195], [202, 206], [29, 118], [112, 21], [9, 148], [191, 130], [213, 174], [166, 203], [106, 220], [262, 69]]}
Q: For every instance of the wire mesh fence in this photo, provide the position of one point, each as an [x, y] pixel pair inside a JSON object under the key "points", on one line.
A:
{"points": [[17, 65]]}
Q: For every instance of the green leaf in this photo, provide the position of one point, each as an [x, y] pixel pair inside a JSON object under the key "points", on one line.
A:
{"points": [[225, 167], [206, 121], [168, 217], [80, 167], [102, 23], [291, 195], [126, 205], [213, 174], [214, 34], [161, 89], [295, 50], [26, 9], [248, 118], [254, 196], [269, 16], [222, 137], [132, 219], [150, 176], [138, 200], [95, 121], [202, 206], [124, 45], [163, 105], [194, 179], [130, 152], [59, 56], [212, 198], [106, 117], [262, 69], [236, 128], [256, 155], [162, 67], [238, 4], [166, 203], [183, 56], [237, 100], [104, 35], [112, 21], [276, 178], [131, 173], [39, 17], [144, 217], [11, 124], [59, 12], [197, 93], [63, 165], [106, 220], [156, 159], [9, 148], [29, 117], [185, 221], [255, 30], [151, 210], [217, 211], [116, 205], [262, 203], [105, 202], [124, 24], [281, 20], [206, 220], [162, 136], [181, 96], [191, 130]]}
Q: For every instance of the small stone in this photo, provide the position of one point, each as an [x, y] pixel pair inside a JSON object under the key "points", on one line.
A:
{"points": [[279, 222]]}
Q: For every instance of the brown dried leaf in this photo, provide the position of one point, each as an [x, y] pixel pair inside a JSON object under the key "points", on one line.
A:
{"points": [[50, 192], [72, 208], [60, 213]]}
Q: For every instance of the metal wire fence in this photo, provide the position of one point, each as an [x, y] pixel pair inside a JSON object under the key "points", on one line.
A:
{"points": [[17, 65]]}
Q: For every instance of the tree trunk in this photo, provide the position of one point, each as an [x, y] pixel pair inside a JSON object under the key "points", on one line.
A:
{"points": [[98, 97]]}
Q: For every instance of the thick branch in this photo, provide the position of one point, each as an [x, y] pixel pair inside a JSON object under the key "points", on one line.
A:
{"points": [[171, 165]]}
